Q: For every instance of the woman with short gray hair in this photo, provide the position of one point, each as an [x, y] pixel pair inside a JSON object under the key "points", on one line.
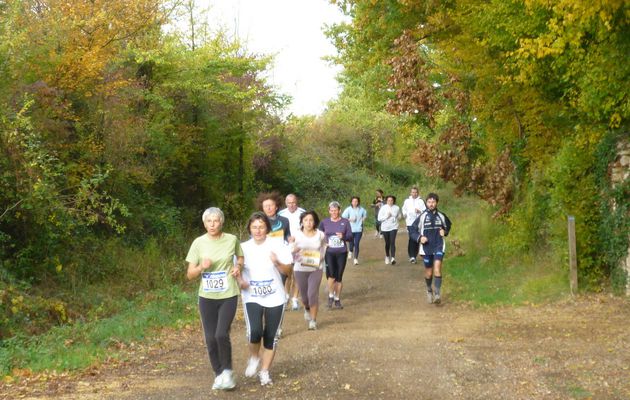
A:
{"points": [[337, 232], [211, 258]]}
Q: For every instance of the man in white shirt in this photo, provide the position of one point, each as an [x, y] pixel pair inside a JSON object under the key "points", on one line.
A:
{"points": [[411, 209], [292, 213]]}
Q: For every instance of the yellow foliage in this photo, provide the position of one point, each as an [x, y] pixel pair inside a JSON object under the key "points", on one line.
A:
{"points": [[87, 36], [615, 121], [61, 311], [17, 300], [566, 29]]}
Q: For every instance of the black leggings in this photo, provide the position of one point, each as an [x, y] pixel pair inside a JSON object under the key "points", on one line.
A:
{"points": [[254, 314], [413, 247], [216, 319], [390, 243]]}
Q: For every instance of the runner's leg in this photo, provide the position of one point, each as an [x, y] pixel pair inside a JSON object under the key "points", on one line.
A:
{"points": [[209, 314]]}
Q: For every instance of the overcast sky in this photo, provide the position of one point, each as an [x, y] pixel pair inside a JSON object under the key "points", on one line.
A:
{"points": [[292, 30]]}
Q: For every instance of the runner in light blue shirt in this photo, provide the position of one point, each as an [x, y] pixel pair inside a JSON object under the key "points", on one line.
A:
{"points": [[356, 215]]}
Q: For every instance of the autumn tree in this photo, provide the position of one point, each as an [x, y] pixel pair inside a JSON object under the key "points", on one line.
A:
{"points": [[514, 96]]}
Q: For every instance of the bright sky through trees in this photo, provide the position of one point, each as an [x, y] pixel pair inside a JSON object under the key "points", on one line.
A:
{"points": [[292, 31]]}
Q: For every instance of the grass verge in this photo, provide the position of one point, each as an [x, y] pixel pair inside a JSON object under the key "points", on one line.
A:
{"points": [[489, 273], [82, 344]]}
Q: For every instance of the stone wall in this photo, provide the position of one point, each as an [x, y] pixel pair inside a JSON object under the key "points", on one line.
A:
{"points": [[619, 172]]}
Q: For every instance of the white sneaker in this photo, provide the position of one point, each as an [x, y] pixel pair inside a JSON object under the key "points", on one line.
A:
{"points": [[429, 297], [312, 325], [294, 304], [356, 262], [393, 260], [436, 298], [349, 255], [265, 379], [307, 315], [218, 382], [387, 260], [227, 382], [252, 366]]}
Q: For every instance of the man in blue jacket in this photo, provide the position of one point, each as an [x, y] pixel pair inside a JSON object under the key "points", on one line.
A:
{"points": [[429, 229]]}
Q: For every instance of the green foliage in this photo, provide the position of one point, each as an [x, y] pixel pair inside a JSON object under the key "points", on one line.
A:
{"points": [[23, 312], [528, 224], [510, 99], [573, 191], [493, 271], [82, 344], [400, 175], [615, 212], [114, 135], [46, 202]]}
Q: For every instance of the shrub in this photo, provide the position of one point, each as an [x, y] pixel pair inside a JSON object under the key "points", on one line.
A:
{"points": [[573, 191]]}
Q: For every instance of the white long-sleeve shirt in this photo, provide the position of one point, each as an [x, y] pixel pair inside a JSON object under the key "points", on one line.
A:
{"points": [[389, 216], [409, 209]]}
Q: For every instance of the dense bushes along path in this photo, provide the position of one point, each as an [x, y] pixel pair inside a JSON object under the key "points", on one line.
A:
{"points": [[388, 343]]}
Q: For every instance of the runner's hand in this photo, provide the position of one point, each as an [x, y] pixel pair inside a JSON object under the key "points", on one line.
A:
{"points": [[205, 264], [423, 239], [243, 284]]}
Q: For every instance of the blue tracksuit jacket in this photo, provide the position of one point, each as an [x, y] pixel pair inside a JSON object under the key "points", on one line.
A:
{"points": [[429, 224]]}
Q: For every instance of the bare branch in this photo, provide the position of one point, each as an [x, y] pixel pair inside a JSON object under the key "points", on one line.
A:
{"points": [[11, 208]]}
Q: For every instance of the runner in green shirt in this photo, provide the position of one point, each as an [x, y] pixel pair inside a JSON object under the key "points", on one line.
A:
{"points": [[216, 258]]}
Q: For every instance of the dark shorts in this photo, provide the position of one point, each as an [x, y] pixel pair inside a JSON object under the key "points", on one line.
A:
{"points": [[335, 265], [428, 260]]}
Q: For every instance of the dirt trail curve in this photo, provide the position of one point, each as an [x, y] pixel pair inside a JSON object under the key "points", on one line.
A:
{"points": [[387, 343]]}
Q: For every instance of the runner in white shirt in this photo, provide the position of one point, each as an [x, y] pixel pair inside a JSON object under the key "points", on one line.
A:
{"points": [[389, 214], [292, 213], [309, 248], [411, 209], [263, 293]]}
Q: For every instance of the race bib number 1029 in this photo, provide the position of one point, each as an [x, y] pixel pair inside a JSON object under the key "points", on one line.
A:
{"points": [[214, 282]]}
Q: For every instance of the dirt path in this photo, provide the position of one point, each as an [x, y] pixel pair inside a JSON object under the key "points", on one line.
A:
{"points": [[387, 343]]}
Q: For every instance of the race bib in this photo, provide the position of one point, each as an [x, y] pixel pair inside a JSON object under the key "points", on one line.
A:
{"points": [[310, 258], [262, 288], [214, 282], [335, 242], [276, 234]]}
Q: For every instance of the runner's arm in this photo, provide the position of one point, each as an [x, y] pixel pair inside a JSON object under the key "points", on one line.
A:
{"points": [[195, 269], [414, 232]]}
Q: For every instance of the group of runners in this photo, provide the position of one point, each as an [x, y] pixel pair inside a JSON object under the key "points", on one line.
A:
{"points": [[285, 257]]}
